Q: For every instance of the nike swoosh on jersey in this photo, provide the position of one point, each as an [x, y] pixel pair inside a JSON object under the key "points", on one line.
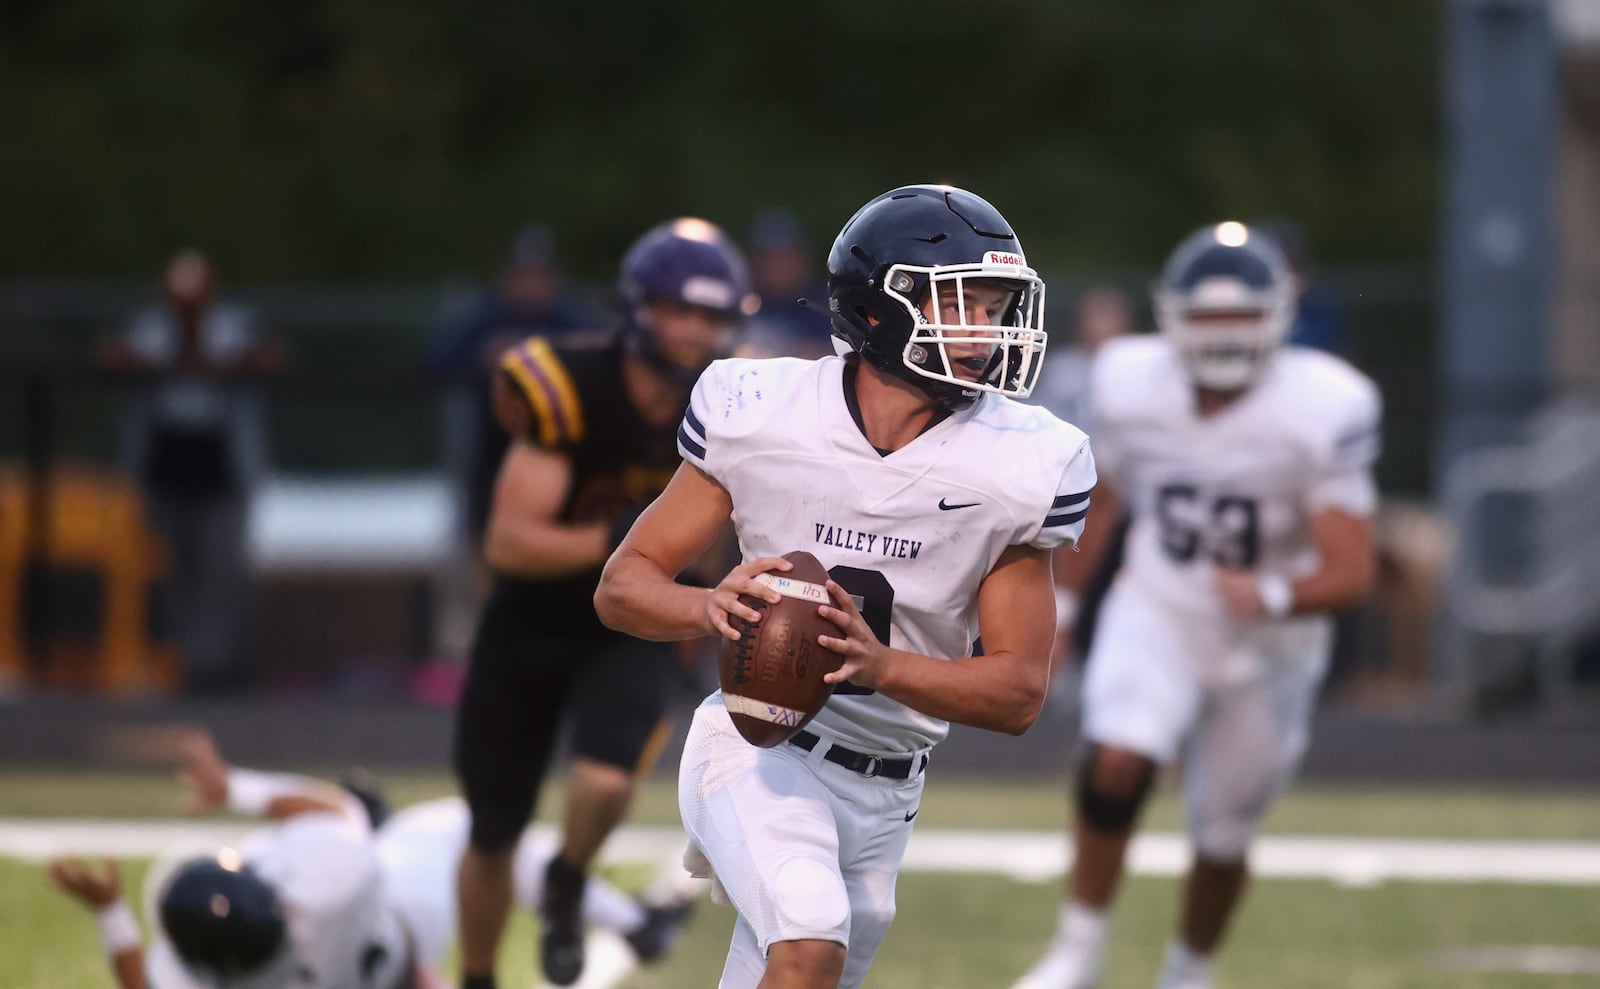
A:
{"points": [[912, 814], [949, 508]]}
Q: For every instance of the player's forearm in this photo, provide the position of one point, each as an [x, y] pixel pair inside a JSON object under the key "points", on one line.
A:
{"points": [[119, 939], [1334, 588], [129, 969], [1001, 691], [283, 795], [543, 551], [1349, 566], [638, 598]]}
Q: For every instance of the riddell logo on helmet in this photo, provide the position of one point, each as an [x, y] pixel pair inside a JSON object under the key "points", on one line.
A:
{"points": [[1003, 257]]}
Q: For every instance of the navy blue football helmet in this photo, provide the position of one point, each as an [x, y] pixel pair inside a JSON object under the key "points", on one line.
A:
{"points": [[221, 917], [919, 243], [688, 261], [1226, 299]]}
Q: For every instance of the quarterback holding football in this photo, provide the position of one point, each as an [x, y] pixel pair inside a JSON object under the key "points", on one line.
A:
{"points": [[1246, 465], [933, 500]]}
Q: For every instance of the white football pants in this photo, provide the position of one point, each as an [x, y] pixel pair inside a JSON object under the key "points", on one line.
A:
{"points": [[1233, 701], [805, 849]]}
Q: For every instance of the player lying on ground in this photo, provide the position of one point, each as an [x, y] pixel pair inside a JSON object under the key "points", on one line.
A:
{"points": [[322, 898]]}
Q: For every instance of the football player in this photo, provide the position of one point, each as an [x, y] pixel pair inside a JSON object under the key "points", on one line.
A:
{"points": [[1247, 469], [934, 499], [321, 898], [593, 421]]}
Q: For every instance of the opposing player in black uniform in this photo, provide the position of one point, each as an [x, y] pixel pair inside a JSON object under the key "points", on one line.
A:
{"points": [[594, 422]]}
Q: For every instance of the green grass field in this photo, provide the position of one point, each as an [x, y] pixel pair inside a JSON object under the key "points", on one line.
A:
{"points": [[975, 931]]}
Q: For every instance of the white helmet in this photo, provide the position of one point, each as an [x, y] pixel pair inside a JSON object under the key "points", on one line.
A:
{"points": [[1226, 299]]}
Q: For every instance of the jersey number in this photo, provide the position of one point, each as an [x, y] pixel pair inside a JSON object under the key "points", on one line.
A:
{"points": [[1229, 531], [874, 595]]}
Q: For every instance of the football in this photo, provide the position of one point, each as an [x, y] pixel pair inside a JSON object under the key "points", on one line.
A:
{"points": [[772, 675]]}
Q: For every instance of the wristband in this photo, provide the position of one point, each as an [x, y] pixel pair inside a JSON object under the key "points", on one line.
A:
{"points": [[251, 792], [1066, 608], [119, 929], [1277, 595]]}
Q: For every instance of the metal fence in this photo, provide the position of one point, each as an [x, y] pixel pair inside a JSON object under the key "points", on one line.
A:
{"points": [[1524, 594]]}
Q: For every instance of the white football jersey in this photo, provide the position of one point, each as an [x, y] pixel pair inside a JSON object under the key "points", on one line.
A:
{"points": [[343, 931], [1237, 487], [911, 534]]}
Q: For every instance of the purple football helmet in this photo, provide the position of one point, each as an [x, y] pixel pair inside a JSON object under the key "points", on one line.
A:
{"points": [[686, 261]]}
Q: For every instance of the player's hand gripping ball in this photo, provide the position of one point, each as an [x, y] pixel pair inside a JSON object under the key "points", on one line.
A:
{"points": [[772, 675]]}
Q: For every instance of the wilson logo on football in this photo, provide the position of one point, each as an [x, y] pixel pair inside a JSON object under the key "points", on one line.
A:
{"points": [[1004, 257]]}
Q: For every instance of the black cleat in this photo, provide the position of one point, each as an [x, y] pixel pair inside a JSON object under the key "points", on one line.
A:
{"points": [[662, 925], [561, 914]]}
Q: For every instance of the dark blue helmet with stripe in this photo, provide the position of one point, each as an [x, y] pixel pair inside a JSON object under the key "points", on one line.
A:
{"points": [[221, 917], [1226, 299], [910, 244], [686, 262]]}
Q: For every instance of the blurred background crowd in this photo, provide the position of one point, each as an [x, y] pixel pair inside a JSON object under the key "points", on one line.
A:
{"points": [[263, 255]]}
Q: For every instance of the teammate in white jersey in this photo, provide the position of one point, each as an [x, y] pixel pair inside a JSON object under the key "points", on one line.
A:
{"points": [[321, 899], [1247, 468], [934, 499]]}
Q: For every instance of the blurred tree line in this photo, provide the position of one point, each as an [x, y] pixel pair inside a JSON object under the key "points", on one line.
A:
{"points": [[393, 140]]}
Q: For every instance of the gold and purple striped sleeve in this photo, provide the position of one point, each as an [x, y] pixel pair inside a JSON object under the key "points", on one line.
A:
{"points": [[544, 381]]}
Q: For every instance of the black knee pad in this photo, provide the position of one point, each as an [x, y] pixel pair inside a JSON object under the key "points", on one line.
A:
{"points": [[1108, 811]]}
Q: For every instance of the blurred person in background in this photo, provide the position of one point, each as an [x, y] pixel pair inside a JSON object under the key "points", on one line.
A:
{"points": [[1103, 314], [529, 297], [781, 274], [593, 425], [1247, 469], [337, 893], [193, 433]]}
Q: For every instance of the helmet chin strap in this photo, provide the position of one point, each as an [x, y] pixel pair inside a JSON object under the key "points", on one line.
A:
{"points": [[855, 332]]}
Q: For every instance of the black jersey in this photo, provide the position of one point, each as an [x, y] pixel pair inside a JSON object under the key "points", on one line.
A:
{"points": [[620, 463]]}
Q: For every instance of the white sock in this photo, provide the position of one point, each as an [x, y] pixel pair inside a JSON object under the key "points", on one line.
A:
{"points": [[1184, 967], [1082, 924], [1076, 955]]}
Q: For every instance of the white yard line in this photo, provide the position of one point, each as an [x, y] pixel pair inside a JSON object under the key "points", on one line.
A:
{"points": [[1023, 855], [1539, 959]]}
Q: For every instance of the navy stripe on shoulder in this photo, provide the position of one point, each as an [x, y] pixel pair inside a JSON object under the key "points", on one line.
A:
{"points": [[690, 444], [1051, 521], [1062, 501], [694, 422], [1356, 436]]}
